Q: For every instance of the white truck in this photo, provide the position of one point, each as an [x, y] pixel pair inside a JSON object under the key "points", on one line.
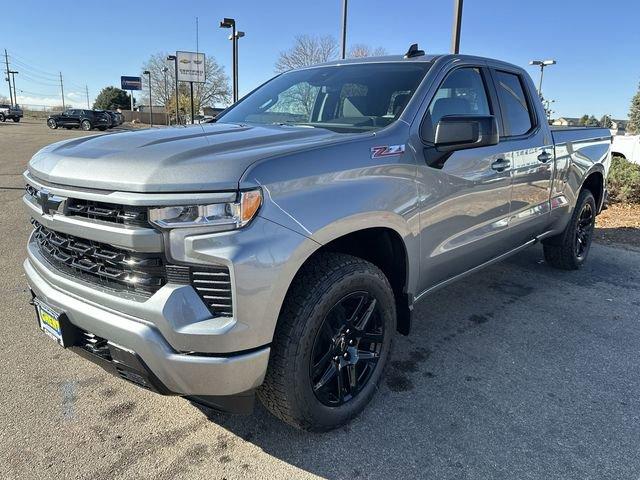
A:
{"points": [[8, 111], [626, 146]]}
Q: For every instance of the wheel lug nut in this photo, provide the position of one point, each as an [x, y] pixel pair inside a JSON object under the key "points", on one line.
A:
{"points": [[345, 355], [351, 342], [336, 358]]}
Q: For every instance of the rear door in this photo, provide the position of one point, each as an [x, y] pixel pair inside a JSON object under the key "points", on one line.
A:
{"points": [[530, 153]]}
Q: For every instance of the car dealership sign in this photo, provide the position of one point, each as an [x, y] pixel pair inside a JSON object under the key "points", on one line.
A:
{"points": [[191, 67], [131, 83]]}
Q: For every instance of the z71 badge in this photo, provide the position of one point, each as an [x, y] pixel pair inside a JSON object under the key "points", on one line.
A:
{"points": [[387, 151]]}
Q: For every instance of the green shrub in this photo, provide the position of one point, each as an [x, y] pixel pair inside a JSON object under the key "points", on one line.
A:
{"points": [[624, 181]]}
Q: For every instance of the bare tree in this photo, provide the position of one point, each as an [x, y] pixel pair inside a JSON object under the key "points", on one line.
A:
{"points": [[216, 88], [307, 51], [360, 50]]}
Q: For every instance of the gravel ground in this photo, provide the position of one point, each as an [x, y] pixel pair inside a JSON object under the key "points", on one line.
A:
{"points": [[519, 371]]}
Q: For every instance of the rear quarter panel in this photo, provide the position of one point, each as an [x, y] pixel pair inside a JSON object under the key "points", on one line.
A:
{"points": [[579, 152]]}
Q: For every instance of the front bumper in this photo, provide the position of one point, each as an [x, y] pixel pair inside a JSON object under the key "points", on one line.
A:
{"points": [[176, 373]]}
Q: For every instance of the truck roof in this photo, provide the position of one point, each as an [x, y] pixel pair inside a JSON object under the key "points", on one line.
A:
{"points": [[427, 58]]}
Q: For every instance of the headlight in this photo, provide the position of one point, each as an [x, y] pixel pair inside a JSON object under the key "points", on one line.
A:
{"points": [[230, 215]]}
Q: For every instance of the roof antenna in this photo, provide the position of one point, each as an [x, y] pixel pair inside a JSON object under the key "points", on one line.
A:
{"points": [[413, 51]]}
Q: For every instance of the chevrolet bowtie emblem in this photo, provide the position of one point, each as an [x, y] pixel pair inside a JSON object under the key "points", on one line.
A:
{"points": [[48, 202]]}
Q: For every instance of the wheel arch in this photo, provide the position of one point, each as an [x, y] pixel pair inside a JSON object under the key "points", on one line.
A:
{"points": [[386, 249], [594, 182]]}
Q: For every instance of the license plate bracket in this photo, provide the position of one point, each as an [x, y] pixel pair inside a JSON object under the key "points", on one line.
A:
{"points": [[55, 324]]}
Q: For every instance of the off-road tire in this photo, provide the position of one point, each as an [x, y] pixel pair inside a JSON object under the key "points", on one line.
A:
{"points": [[287, 390], [561, 251], [16, 119], [2, 117]]}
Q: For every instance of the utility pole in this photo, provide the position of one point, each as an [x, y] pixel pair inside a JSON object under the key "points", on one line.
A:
{"points": [[6, 60], [343, 51], [457, 25], [13, 80], [86, 89], [62, 90]]}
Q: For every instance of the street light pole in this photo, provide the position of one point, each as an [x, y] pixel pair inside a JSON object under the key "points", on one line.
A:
{"points": [[231, 23], [457, 25], [343, 46], [541, 64], [165, 69], [148, 73], [175, 62]]}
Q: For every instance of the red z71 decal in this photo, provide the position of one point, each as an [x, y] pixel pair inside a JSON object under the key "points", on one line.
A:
{"points": [[387, 151]]}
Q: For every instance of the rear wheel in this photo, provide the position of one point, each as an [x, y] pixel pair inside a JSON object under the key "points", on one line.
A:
{"points": [[331, 343], [2, 117], [85, 125], [52, 124], [569, 250]]}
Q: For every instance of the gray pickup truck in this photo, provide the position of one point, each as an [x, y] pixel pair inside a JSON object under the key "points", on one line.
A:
{"points": [[278, 250]]}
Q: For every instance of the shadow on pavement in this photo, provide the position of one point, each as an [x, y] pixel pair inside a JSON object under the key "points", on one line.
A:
{"points": [[507, 374]]}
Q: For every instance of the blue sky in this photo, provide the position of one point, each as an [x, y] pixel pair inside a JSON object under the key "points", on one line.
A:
{"points": [[595, 43]]}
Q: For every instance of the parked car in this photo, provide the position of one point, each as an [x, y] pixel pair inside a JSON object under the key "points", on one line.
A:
{"points": [[79, 118], [7, 111], [119, 118], [281, 248], [627, 146]]}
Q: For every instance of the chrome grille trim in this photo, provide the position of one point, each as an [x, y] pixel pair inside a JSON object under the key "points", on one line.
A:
{"points": [[100, 263]]}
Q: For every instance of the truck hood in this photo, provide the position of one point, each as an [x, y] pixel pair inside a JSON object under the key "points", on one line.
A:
{"points": [[209, 157]]}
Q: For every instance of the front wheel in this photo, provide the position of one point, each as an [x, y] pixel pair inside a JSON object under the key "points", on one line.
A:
{"points": [[85, 125], [16, 119], [52, 124], [331, 343], [569, 250]]}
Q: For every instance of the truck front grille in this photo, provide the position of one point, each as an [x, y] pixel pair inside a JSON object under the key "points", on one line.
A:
{"points": [[213, 284], [107, 212], [99, 263]]}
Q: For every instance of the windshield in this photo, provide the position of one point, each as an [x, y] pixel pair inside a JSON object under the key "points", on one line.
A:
{"points": [[346, 98]]}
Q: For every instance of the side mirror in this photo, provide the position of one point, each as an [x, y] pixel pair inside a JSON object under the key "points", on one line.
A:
{"points": [[459, 132]]}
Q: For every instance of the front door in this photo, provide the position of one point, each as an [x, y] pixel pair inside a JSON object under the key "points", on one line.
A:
{"points": [[464, 197]]}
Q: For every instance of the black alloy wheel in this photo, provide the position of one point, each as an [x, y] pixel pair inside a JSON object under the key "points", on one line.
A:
{"points": [[346, 349], [584, 230]]}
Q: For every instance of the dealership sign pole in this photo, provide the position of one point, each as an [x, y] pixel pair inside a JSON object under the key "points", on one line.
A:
{"points": [[191, 70], [131, 84]]}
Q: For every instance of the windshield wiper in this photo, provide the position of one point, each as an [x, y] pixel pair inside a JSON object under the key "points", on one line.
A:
{"points": [[293, 124]]}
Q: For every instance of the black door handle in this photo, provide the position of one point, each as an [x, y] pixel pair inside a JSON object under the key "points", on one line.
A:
{"points": [[544, 157], [500, 165]]}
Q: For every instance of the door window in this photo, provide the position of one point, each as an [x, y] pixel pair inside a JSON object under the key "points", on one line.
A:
{"points": [[516, 111], [462, 93]]}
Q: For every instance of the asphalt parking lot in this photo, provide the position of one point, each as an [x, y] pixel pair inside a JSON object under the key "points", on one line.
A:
{"points": [[519, 371]]}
